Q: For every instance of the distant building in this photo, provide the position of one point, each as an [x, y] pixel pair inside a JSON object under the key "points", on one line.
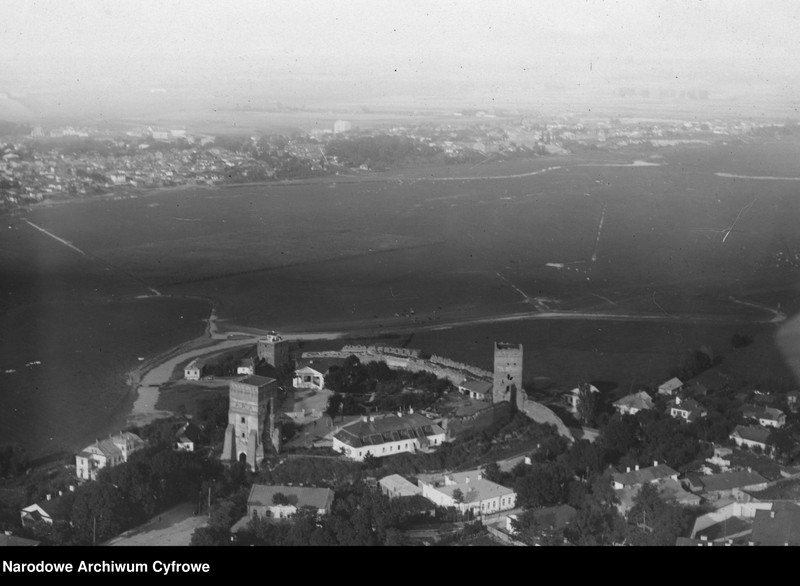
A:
{"points": [[395, 486], [639, 477], [751, 436], [187, 437], [779, 526], [308, 378], [48, 511], [772, 417], [246, 367], [263, 502], [480, 390], [508, 375], [670, 387], [731, 484], [477, 494], [108, 452], [193, 370], [274, 350], [632, 404], [387, 436], [574, 397], [342, 126], [686, 409]]}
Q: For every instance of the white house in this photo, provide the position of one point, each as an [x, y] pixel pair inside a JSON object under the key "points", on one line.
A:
{"points": [[308, 378], [751, 436], [772, 417], [632, 404], [387, 436], [263, 502], [107, 452], [467, 491], [246, 367], [193, 370], [479, 390], [686, 409], [395, 486]]}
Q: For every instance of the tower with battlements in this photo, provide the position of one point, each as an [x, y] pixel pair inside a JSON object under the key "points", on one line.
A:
{"points": [[250, 401], [274, 350], [508, 375]]}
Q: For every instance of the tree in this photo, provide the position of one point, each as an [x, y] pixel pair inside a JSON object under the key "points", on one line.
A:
{"points": [[652, 521], [588, 404], [458, 496], [280, 499]]}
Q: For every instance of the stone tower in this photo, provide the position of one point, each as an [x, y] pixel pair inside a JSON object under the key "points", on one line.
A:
{"points": [[508, 375], [274, 350], [247, 415]]}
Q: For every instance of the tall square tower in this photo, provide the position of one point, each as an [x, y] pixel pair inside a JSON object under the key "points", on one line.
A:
{"points": [[508, 375], [274, 350], [247, 414]]}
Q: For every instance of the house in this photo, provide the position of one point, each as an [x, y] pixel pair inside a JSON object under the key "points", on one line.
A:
{"points": [[107, 452], [246, 367], [193, 370], [751, 436], [281, 502], [638, 477], [467, 491], [574, 397], [48, 511], [778, 526], [670, 387], [731, 484], [308, 378], [187, 437], [686, 409], [772, 417], [395, 486], [479, 390], [386, 436], [632, 404]]}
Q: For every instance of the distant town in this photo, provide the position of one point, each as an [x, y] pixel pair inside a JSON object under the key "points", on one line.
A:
{"points": [[60, 163]]}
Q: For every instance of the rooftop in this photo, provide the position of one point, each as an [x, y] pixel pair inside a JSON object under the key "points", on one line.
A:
{"points": [[640, 400], [391, 428], [671, 385], [780, 526], [731, 480], [752, 433], [477, 386], [399, 485], [256, 380], [472, 485], [644, 475]]}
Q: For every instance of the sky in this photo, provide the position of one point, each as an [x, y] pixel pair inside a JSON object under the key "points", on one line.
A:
{"points": [[332, 50]]}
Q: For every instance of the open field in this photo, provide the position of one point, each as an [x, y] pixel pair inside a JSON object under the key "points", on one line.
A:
{"points": [[653, 260]]}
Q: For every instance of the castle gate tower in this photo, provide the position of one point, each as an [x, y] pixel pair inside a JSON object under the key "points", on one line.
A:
{"points": [[247, 413], [508, 375], [273, 349]]}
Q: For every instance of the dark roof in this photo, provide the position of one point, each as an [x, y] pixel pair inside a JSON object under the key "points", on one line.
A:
{"points": [[753, 433], [321, 365], [298, 496], [556, 517], [712, 380], [780, 526], [730, 480], [725, 529], [256, 380], [388, 429]]}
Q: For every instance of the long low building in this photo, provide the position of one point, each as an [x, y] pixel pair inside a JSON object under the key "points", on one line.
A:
{"points": [[388, 435], [467, 491]]}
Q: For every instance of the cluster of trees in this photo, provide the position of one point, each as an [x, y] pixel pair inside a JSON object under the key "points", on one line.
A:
{"points": [[382, 150], [387, 388], [696, 362]]}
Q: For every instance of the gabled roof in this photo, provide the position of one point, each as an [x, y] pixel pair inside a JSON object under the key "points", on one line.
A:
{"points": [[780, 526], [671, 385], [106, 447], [752, 433], [308, 370], [477, 386], [731, 480], [640, 400], [771, 414], [644, 475], [298, 496], [689, 405], [388, 429]]}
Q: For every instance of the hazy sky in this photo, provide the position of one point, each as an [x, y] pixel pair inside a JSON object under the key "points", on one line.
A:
{"points": [[355, 48]]}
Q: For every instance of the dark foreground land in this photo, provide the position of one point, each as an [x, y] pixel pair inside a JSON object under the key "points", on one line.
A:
{"points": [[412, 252]]}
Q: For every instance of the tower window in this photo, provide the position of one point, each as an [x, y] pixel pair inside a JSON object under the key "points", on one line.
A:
{"points": [[242, 419]]}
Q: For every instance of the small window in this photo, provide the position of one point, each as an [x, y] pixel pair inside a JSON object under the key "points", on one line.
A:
{"points": [[242, 420]]}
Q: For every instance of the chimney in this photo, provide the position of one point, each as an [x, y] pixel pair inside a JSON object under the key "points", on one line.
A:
{"points": [[49, 497], [399, 413], [528, 460], [365, 419], [772, 514], [628, 469], [60, 493], [411, 411], [72, 488], [372, 418], [655, 463], [637, 467], [704, 538]]}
